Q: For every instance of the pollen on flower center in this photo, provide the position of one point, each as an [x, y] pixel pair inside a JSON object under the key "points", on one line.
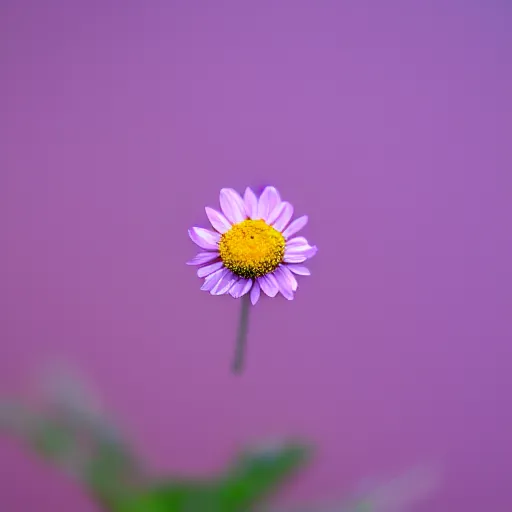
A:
{"points": [[252, 248]]}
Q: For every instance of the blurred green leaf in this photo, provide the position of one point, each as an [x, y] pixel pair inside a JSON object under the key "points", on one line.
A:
{"points": [[82, 441], [257, 474], [180, 496], [51, 439], [90, 450], [253, 476]]}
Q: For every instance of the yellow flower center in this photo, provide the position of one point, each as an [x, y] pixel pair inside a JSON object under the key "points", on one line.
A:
{"points": [[251, 248]]}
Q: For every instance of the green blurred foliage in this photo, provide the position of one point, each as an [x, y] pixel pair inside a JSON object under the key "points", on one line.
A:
{"points": [[94, 452], [68, 432]]}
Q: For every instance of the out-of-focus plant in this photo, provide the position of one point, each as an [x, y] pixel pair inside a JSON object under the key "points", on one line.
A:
{"points": [[68, 430]]}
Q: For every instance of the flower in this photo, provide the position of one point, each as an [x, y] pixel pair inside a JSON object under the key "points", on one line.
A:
{"points": [[252, 248]]}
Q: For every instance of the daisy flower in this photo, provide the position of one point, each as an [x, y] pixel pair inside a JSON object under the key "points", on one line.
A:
{"points": [[252, 247]]}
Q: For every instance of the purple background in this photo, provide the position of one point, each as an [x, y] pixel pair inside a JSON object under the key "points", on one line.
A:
{"points": [[387, 122]]}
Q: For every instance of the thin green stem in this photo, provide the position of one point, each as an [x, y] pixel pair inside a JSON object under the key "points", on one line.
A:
{"points": [[241, 338]]}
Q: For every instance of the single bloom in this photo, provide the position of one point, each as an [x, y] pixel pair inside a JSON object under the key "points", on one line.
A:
{"points": [[253, 247]]}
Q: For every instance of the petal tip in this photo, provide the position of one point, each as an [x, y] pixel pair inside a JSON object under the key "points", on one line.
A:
{"points": [[312, 252], [255, 292]]}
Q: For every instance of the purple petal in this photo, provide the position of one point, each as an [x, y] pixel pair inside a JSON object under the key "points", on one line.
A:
{"points": [[274, 214], [284, 284], [240, 288], [235, 288], [246, 288], [269, 285], [300, 270], [295, 226], [232, 205], [203, 257], [284, 217], [224, 284], [299, 253], [304, 249], [204, 238], [218, 221], [269, 199], [311, 251], [209, 269], [294, 249], [294, 258], [213, 279], [251, 203], [255, 292], [289, 277], [298, 240]]}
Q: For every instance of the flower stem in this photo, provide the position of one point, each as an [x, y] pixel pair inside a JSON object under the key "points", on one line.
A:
{"points": [[241, 337]]}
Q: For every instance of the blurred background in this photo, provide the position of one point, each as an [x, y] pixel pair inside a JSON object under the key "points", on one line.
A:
{"points": [[388, 123]]}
